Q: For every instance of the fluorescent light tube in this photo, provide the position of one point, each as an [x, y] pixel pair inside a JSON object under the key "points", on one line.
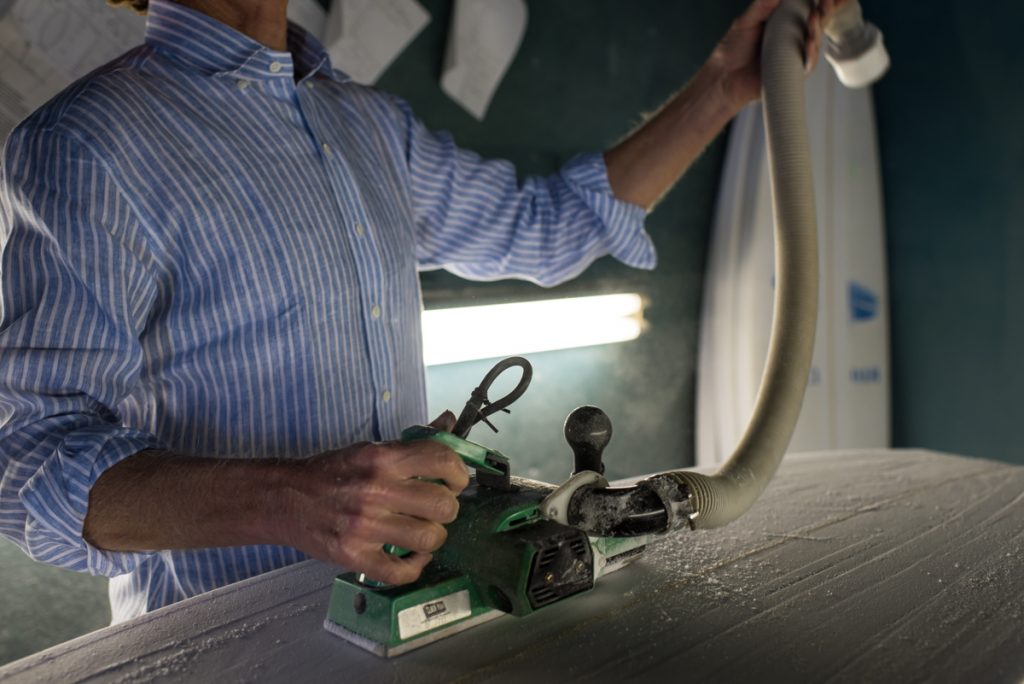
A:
{"points": [[483, 332]]}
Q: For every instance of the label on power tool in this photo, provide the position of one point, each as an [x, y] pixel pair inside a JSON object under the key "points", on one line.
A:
{"points": [[432, 614]]}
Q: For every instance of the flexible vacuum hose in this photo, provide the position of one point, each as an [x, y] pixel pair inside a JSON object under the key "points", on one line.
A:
{"points": [[719, 499], [681, 497]]}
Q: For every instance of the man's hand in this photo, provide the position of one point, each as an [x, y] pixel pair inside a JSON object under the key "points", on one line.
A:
{"points": [[347, 504], [644, 166], [341, 506], [737, 57]]}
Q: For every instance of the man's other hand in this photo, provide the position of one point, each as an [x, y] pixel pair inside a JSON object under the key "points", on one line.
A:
{"points": [[737, 57], [344, 506]]}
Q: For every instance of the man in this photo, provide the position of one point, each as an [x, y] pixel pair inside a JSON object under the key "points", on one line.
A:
{"points": [[210, 320]]}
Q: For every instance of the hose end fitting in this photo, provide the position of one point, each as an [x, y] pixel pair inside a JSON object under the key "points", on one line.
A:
{"points": [[855, 48], [675, 496]]}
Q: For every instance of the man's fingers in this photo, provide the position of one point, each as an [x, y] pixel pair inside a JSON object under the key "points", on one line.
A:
{"points": [[813, 45], [369, 495], [757, 13], [430, 460], [827, 7], [401, 530], [421, 499], [390, 569]]}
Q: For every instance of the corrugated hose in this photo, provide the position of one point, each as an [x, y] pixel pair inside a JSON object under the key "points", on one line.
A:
{"points": [[719, 499]]}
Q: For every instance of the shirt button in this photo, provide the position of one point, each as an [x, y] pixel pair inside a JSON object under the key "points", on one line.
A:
{"points": [[309, 83], [242, 83], [275, 67], [385, 396], [327, 150], [375, 311], [360, 230]]}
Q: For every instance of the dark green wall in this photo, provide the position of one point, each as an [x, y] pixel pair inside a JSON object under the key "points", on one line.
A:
{"points": [[585, 73], [950, 117]]}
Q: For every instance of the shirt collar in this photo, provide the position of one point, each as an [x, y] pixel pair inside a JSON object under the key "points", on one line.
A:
{"points": [[217, 49]]}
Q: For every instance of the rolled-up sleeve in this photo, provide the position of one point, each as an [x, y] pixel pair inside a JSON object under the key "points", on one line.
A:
{"points": [[76, 293], [477, 220]]}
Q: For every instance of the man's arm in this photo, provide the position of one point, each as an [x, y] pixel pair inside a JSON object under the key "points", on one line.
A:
{"points": [[644, 166], [76, 288], [475, 219], [340, 507]]}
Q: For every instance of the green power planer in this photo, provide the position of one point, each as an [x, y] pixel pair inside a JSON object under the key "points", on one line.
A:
{"points": [[517, 546]]}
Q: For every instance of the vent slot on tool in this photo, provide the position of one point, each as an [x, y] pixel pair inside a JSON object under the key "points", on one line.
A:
{"points": [[562, 566]]}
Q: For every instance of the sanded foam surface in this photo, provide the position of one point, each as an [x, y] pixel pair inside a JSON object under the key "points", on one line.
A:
{"points": [[857, 566]]}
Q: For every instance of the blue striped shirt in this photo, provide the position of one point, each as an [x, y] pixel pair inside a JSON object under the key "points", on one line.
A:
{"points": [[211, 247]]}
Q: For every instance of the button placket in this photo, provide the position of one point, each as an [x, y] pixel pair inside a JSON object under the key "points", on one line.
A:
{"points": [[368, 268]]}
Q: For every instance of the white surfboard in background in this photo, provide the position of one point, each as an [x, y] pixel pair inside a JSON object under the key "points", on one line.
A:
{"points": [[847, 400]]}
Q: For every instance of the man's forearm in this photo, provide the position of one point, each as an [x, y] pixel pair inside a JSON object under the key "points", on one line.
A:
{"points": [[155, 500], [648, 163], [341, 506], [645, 165]]}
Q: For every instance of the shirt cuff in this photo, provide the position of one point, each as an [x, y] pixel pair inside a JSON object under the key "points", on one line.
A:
{"points": [[56, 498], [625, 237]]}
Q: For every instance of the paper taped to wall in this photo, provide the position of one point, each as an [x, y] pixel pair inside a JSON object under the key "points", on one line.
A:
{"points": [[46, 44], [846, 404], [76, 36], [363, 37], [26, 79], [484, 38]]}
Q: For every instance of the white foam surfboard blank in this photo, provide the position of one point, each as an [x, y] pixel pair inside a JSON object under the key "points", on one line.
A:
{"points": [[484, 38], [847, 400], [363, 37]]}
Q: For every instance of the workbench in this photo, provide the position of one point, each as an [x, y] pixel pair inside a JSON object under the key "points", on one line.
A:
{"points": [[854, 566]]}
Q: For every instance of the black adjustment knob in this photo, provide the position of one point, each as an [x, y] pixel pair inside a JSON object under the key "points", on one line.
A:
{"points": [[588, 430]]}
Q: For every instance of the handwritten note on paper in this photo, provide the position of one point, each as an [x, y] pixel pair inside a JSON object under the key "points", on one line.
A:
{"points": [[363, 37], [484, 38]]}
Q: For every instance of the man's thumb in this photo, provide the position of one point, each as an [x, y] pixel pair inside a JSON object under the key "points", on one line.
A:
{"points": [[445, 421]]}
